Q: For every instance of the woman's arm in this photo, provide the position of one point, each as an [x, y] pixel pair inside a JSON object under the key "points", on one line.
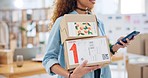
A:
{"points": [[59, 70], [53, 47]]}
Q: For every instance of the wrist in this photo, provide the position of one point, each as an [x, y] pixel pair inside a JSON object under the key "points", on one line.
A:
{"points": [[114, 49]]}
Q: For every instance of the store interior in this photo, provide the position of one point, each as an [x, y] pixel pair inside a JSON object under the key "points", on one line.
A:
{"points": [[25, 30]]}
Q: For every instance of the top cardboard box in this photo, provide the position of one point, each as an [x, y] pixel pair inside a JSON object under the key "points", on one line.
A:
{"points": [[75, 26]]}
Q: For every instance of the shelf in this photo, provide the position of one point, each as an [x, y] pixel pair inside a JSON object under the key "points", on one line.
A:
{"points": [[16, 18]]}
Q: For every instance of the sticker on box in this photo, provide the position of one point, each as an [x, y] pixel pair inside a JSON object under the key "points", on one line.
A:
{"points": [[82, 29]]}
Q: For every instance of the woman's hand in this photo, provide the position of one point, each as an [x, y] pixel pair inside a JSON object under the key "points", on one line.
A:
{"points": [[123, 44], [82, 70], [118, 46]]}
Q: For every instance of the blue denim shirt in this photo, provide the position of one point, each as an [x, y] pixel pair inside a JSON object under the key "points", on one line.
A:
{"points": [[55, 51]]}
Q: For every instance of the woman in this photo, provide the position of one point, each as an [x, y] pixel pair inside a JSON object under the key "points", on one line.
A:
{"points": [[54, 58]]}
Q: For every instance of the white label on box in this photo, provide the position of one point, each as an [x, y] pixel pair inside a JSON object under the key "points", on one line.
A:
{"points": [[82, 29], [94, 50]]}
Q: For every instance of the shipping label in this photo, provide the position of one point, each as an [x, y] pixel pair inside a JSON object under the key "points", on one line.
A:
{"points": [[94, 50]]}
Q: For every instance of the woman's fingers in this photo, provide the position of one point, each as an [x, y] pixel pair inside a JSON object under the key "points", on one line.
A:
{"points": [[84, 63], [91, 68], [88, 68], [83, 69], [128, 41], [133, 38], [124, 44]]}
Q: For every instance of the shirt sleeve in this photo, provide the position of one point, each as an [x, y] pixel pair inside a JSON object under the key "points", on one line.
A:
{"points": [[53, 47], [101, 27]]}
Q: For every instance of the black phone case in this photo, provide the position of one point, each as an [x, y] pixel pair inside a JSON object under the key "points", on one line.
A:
{"points": [[129, 36]]}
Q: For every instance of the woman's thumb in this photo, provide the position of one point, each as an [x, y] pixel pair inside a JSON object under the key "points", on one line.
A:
{"points": [[84, 63]]}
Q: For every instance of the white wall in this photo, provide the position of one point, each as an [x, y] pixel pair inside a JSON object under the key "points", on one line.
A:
{"points": [[146, 6], [9, 4], [6, 4]]}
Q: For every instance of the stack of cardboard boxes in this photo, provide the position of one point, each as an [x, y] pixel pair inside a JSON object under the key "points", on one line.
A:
{"points": [[80, 36], [137, 70], [139, 45]]}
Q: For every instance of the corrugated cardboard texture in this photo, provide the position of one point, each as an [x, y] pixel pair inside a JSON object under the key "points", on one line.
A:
{"points": [[137, 46], [145, 72], [134, 71], [75, 18], [137, 70], [75, 65], [146, 47]]}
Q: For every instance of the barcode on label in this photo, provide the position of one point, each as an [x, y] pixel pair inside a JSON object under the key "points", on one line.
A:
{"points": [[105, 56]]}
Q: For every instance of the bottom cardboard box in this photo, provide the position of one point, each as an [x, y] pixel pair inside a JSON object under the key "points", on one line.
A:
{"points": [[137, 70], [95, 50]]}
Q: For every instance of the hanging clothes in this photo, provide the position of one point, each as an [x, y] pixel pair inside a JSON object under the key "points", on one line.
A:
{"points": [[4, 34]]}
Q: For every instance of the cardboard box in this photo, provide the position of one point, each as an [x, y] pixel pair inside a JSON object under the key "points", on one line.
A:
{"points": [[95, 50], [145, 72], [137, 70], [6, 56], [137, 46], [78, 26], [146, 47]]}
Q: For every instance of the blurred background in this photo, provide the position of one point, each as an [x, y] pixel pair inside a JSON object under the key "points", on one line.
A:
{"points": [[24, 31]]}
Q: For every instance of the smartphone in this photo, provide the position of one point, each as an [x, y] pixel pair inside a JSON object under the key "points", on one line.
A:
{"points": [[129, 36]]}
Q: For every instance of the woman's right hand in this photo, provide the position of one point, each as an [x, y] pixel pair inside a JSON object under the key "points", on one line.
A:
{"points": [[82, 69]]}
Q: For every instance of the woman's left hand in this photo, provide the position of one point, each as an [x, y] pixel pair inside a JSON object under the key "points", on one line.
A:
{"points": [[117, 46], [123, 44]]}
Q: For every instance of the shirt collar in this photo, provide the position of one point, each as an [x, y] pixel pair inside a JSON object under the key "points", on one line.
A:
{"points": [[74, 12]]}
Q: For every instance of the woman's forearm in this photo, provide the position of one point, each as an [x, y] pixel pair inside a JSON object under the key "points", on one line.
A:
{"points": [[57, 69]]}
